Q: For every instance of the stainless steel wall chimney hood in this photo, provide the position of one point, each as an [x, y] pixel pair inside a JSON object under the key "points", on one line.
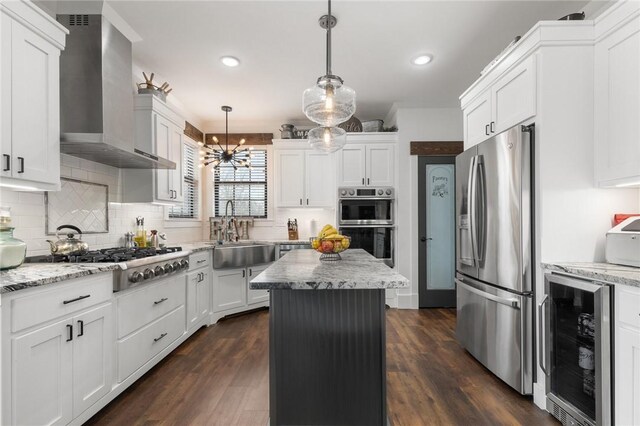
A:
{"points": [[96, 96]]}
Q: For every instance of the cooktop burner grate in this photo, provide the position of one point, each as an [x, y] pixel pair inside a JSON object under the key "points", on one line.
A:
{"points": [[108, 255]]}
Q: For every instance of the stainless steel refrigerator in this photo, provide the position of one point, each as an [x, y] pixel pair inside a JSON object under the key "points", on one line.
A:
{"points": [[494, 255]]}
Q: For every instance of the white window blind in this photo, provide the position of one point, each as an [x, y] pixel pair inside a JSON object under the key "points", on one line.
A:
{"points": [[189, 207], [247, 188]]}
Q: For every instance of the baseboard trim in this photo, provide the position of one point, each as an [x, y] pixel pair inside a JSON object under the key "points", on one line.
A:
{"points": [[408, 301]]}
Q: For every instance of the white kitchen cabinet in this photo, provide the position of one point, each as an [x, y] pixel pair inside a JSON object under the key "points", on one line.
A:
{"points": [[198, 286], [158, 130], [229, 289], [627, 356], [256, 296], [304, 178], [617, 98], [30, 49], [366, 165], [508, 101]]}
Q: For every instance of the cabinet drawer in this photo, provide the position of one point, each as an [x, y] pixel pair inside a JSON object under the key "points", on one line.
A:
{"points": [[60, 300], [628, 307], [199, 260], [140, 307], [140, 347]]}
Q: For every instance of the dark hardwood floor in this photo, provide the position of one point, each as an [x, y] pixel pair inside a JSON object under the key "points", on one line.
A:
{"points": [[220, 377]]}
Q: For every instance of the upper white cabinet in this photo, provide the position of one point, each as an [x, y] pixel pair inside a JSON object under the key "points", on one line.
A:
{"points": [[367, 160], [511, 99], [30, 45], [617, 96], [158, 130], [304, 178]]}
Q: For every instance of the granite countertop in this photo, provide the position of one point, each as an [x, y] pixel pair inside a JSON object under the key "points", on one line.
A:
{"points": [[608, 272], [37, 274], [303, 270]]}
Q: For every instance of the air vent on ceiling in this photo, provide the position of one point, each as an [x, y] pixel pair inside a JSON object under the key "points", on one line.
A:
{"points": [[78, 20]]}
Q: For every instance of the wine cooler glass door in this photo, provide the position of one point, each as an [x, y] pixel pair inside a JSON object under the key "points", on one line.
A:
{"points": [[578, 349]]}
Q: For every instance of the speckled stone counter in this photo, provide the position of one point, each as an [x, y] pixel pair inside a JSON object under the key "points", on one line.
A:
{"points": [[303, 270], [38, 274], [327, 343], [610, 273]]}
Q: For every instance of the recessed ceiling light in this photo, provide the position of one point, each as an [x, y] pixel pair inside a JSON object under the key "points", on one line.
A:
{"points": [[230, 61], [421, 60]]}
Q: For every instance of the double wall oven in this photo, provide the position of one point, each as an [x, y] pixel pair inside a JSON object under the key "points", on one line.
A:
{"points": [[367, 216]]}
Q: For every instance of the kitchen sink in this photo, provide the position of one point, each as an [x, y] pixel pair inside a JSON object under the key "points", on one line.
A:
{"points": [[240, 255]]}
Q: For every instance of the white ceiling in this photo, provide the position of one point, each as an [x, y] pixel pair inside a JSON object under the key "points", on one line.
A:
{"points": [[281, 49]]}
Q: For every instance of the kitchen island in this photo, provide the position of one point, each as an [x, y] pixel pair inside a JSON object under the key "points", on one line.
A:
{"points": [[327, 338]]}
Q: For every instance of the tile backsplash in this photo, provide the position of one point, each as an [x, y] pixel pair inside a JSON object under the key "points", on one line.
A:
{"points": [[28, 211]]}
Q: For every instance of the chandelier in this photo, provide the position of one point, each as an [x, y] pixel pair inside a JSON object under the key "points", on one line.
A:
{"points": [[236, 157], [329, 102]]}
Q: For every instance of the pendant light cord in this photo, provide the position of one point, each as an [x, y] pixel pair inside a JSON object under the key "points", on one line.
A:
{"points": [[329, 22], [226, 130]]}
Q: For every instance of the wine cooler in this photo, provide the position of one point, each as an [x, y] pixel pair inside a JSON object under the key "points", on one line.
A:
{"points": [[576, 351]]}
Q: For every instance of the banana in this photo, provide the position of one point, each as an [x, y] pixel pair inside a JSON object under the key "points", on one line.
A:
{"points": [[327, 231]]}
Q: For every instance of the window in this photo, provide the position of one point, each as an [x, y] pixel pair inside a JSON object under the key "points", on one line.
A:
{"points": [[247, 188], [189, 207]]}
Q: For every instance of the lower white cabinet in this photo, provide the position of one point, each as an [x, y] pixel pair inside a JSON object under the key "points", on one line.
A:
{"points": [[56, 368], [627, 356], [231, 293], [198, 286]]}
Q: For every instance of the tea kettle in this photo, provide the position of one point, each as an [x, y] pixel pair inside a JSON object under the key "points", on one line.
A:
{"points": [[70, 244]]}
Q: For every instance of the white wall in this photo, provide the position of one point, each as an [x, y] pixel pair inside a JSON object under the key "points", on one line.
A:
{"points": [[415, 124]]}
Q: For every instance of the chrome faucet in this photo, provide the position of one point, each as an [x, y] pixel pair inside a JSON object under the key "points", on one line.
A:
{"points": [[230, 227]]}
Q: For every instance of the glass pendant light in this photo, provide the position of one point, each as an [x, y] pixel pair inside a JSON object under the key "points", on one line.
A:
{"points": [[327, 139], [329, 102]]}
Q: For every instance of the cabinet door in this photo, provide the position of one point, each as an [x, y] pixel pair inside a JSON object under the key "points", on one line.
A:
{"points": [[617, 105], [351, 165], [5, 99], [320, 190], [163, 135], [289, 178], [203, 295], [41, 365], [256, 296], [35, 109], [513, 97], [176, 155], [92, 357], [477, 118], [229, 289], [198, 284], [627, 377], [380, 161]]}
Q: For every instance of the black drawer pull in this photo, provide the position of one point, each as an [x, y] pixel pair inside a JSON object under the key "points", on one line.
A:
{"points": [[157, 302], [201, 261], [66, 302], [243, 273], [21, 163], [81, 326], [70, 330], [7, 165], [160, 337]]}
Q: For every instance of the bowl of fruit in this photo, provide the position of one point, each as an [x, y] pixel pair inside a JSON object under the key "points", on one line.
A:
{"points": [[330, 243]]}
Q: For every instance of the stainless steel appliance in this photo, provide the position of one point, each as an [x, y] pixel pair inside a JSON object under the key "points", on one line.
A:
{"points": [[136, 265], [366, 214], [576, 355], [96, 100], [285, 248], [623, 243], [494, 273]]}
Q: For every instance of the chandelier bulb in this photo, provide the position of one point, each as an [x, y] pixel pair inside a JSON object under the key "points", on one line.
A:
{"points": [[242, 141]]}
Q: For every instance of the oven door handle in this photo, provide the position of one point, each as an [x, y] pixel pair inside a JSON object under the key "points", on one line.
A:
{"points": [[346, 225]]}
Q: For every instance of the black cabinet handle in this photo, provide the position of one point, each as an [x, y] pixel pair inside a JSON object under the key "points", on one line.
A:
{"points": [[243, 273], [250, 272], [491, 127], [81, 326], [300, 201], [7, 164], [159, 337], [70, 332], [307, 201], [157, 302], [21, 164], [66, 302], [486, 130], [201, 261], [363, 181], [368, 182]]}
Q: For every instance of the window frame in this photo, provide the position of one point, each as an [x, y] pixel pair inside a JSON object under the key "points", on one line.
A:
{"points": [[184, 222]]}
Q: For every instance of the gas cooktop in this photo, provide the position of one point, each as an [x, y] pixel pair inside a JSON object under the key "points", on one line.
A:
{"points": [[109, 255]]}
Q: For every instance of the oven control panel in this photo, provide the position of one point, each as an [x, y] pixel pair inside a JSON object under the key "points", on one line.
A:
{"points": [[383, 192]]}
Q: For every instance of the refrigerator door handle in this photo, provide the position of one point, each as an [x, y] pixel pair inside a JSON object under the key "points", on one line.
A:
{"points": [[473, 208], [511, 302], [542, 348], [480, 206]]}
